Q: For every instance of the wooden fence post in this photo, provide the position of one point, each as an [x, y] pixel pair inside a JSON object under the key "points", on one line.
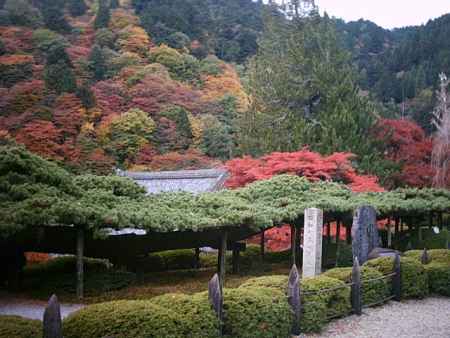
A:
{"points": [[235, 259], [80, 263], [397, 279], [294, 299], [263, 245], [293, 242], [215, 296], [52, 324], [356, 287]]}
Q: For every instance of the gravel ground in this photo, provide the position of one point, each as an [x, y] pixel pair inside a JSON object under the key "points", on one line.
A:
{"points": [[32, 309], [426, 318]]}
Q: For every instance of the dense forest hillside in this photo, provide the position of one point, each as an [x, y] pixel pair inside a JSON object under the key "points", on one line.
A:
{"points": [[82, 82], [165, 85]]}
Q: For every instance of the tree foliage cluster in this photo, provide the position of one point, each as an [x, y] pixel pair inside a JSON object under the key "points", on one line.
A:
{"points": [[102, 93], [36, 192]]}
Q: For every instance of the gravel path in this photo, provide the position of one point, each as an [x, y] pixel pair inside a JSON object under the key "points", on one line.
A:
{"points": [[426, 318], [32, 309]]}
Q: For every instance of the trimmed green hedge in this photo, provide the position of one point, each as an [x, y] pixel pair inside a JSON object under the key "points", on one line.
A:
{"points": [[372, 292], [170, 260], [414, 277], [18, 327], [435, 255], [276, 282], [317, 307], [256, 312], [66, 264], [438, 278], [136, 319], [194, 309]]}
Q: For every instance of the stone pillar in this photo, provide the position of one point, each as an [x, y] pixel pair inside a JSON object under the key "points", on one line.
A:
{"points": [[364, 233], [312, 242]]}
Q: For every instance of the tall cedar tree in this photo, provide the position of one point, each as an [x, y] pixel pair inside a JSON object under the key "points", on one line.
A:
{"points": [[77, 7], [58, 73], [97, 63], [103, 15], [310, 97]]}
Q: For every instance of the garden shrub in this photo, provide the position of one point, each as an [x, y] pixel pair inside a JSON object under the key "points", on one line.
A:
{"points": [[170, 260], [195, 310], [372, 292], [319, 305], [278, 256], [136, 319], [438, 278], [414, 278], [435, 255], [66, 264], [18, 327], [256, 312], [278, 282]]}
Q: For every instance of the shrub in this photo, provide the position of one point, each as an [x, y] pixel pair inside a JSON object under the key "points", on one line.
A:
{"points": [[372, 292], [435, 255], [195, 310], [438, 278], [414, 279], [170, 260], [18, 327], [15, 68], [137, 319], [262, 313], [276, 282], [66, 264], [278, 256], [318, 305]]}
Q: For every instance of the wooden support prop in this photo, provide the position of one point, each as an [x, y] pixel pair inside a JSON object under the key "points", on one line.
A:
{"points": [[222, 258], [328, 232], [338, 231], [441, 221], [294, 299], [396, 226], [298, 239], [397, 279], [80, 263], [263, 245], [215, 296], [293, 244], [356, 287], [389, 233], [348, 234], [197, 258], [430, 220], [52, 324], [235, 259]]}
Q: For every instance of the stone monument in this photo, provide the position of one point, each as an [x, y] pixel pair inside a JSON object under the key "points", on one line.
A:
{"points": [[312, 242], [365, 236]]}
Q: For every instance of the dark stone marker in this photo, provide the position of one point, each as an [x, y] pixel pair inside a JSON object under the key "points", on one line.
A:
{"points": [[365, 236], [216, 298], [294, 298], [356, 287], [52, 324], [425, 258]]}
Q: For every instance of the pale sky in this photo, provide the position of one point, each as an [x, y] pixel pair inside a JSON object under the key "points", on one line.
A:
{"points": [[386, 13]]}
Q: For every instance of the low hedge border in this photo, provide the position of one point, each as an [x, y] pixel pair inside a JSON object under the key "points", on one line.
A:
{"points": [[18, 327]]}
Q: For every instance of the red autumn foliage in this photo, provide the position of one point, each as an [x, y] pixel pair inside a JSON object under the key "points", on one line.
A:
{"points": [[154, 93], [17, 39], [111, 97], [191, 159], [315, 167], [68, 114], [41, 137], [407, 145]]}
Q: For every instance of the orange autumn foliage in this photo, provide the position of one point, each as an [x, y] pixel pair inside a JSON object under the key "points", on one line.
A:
{"points": [[41, 137]]}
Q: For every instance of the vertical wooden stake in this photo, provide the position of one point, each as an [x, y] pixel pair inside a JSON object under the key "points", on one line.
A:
{"points": [[263, 245], [222, 258], [348, 234], [338, 231], [397, 279], [293, 244], [396, 226], [197, 258], [356, 287], [80, 263], [298, 239], [328, 232], [235, 259]]}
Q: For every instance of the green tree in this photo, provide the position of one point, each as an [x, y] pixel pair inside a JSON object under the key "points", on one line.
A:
{"points": [[86, 95], [53, 15], [21, 12], [77, 7], [59, 78], [114, 4], [97, 63], [103, 15], [216, 138], [304, 92]]}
